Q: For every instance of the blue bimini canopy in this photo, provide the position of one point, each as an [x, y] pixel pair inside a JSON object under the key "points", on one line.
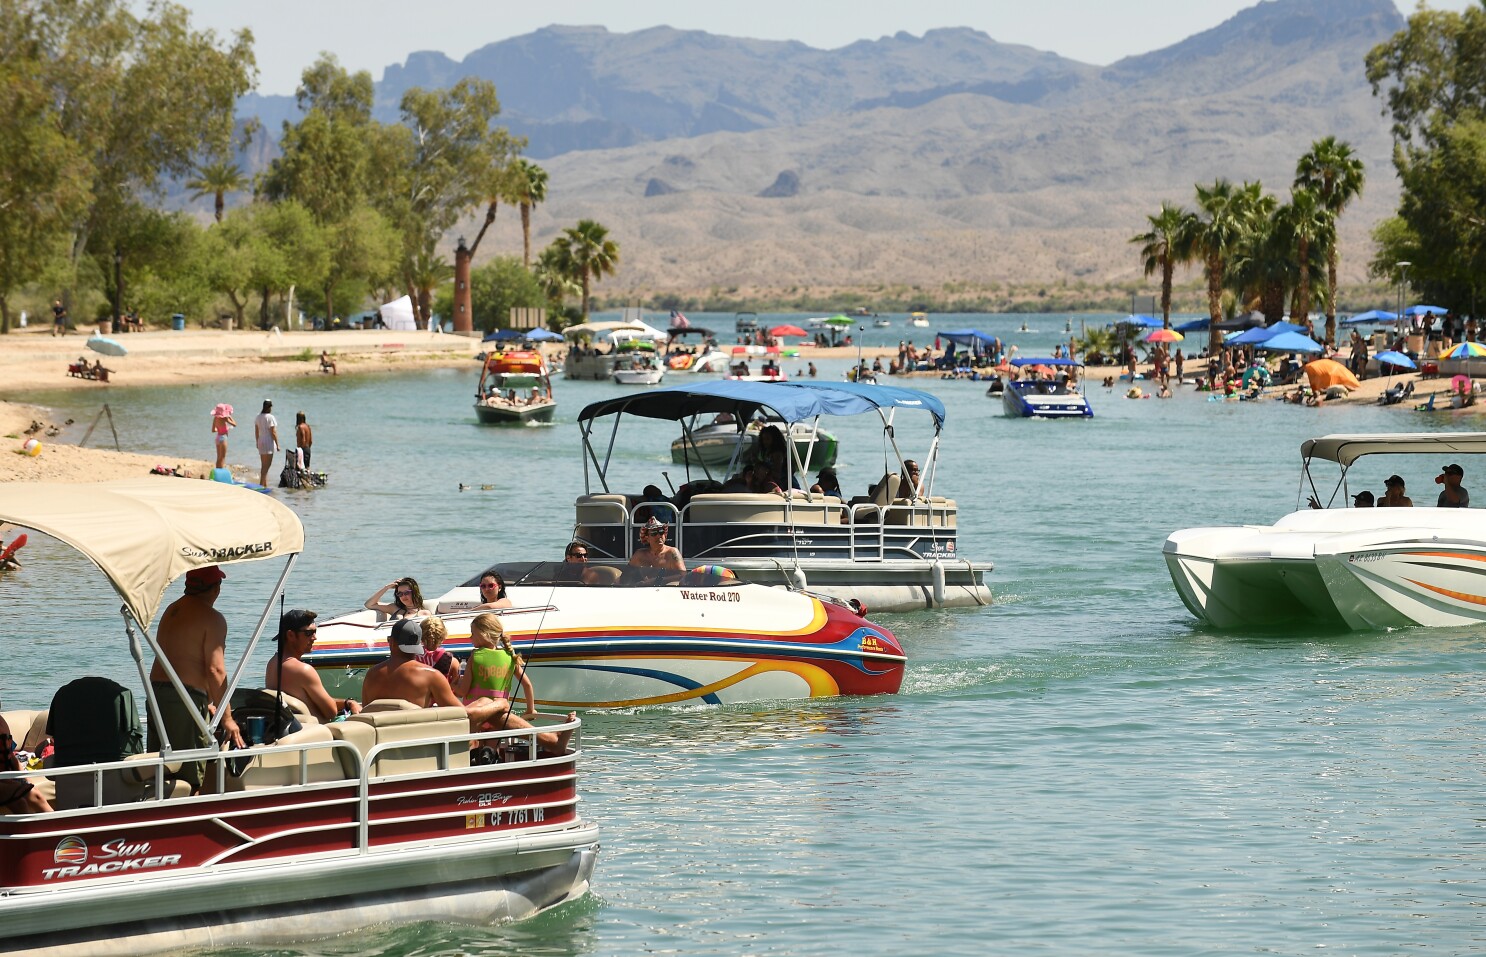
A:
{"points": [[515, 335], [1030, 361], [971, 338], [791, 401]]}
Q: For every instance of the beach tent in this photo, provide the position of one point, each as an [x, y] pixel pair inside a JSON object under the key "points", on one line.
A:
{"points": [[1141, 321], [1260, 334], [1246, 321], [1325, 373], [1193, 325], [1290, 342], [1413, 311], [398, 314], [972, 339], [1371, 316]]}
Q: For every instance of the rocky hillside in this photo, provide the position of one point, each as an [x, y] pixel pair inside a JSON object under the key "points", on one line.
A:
{"points": [[726, 163]]}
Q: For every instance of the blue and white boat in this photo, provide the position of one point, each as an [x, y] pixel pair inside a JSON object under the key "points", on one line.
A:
{"points": [[1045, 398]]}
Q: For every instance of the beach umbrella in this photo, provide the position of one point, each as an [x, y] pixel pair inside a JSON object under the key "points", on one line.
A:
{"points": [[1398, 359], [780, 331], [1290, 342], [1466, 351], [840, 320], [1165, 335], [1325, 373], [107, 346]]}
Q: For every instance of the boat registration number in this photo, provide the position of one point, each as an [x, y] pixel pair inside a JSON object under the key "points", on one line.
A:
{"points": [[506, 818]]}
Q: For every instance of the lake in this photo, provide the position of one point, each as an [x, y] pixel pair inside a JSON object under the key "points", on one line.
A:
{"points": [[1079, 769]]}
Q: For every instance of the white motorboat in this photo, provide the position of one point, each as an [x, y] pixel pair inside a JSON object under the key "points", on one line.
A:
{"points": [[605, 635], [1355, 568], [638, 367], [918, 320], [314, 830], [893, 549]]}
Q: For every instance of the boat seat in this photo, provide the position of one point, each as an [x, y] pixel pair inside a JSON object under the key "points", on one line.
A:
{"points": [[389, 704], [924, 513], [120, 786], [28, 727], [745, 508], [280, 769], [884, 492], [298, 708], [602, 509], [398, 726]]}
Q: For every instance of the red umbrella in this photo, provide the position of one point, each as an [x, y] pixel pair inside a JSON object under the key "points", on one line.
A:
{"points": [[787, 331]]}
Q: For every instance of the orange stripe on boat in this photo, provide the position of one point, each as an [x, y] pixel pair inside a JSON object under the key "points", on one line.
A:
{"points": [[1457, 595], [1464, 555]]}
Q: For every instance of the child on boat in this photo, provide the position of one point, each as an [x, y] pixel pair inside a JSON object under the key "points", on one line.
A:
{"points": [[494, 668]]}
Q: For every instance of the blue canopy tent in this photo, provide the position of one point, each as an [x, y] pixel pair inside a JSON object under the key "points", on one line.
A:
{"points": [[518, 335], [1140, 321], [972, 339], [1371, 316], [1193, 325], [1258, 334], [1413, 311], [1290, 342]]}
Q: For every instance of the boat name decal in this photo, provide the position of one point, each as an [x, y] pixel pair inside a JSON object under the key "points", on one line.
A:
{"points": [[872, 644], [486, 799], [114, 856], [229, 552], [722, 595]]}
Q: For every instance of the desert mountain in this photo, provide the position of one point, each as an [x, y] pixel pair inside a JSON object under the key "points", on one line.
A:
{"points": [[722, 163]]}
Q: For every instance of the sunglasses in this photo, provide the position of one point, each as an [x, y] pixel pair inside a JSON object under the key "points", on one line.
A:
{"points": [[577, 554], [490, 584], [404, 593]]}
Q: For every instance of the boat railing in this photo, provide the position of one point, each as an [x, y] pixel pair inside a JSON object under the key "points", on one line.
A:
{"points": [[825, 525], [144, 779]]}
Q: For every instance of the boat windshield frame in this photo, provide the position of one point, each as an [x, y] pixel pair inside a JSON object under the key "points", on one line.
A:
{"points": [[788, 402], [1346, 449]]}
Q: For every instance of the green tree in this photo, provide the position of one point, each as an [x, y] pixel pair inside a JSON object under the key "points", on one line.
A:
{"points": [[531, 191], [1334, 173], [136, 98], [427, 272], [1163, 246], [1226, 213], [589, 255], [217, 180], [554, 274], [1309, 228]]}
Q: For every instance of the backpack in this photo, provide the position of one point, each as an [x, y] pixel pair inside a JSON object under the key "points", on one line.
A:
{"points": [[94, 720]]}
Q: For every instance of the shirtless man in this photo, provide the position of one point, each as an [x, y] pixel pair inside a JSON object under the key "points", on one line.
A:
{"points": [[654, 552], [17, 797], [193, 637], [296, 637], [403, 676]]}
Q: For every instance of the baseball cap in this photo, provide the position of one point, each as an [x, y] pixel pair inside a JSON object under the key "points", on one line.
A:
{"points": [[1363, 498], [1393, 480], [407, 635], [295, 619], [204, 577], [1453, 469]]}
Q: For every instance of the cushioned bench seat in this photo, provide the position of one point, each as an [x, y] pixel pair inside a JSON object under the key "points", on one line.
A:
{"points": [[379, 725], [752, 508]]}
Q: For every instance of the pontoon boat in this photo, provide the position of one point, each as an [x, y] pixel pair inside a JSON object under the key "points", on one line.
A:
{"points": [[1356, 568], [893, 549], [321, 830]]}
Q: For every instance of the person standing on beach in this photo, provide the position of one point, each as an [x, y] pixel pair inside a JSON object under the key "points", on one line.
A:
{"points": [[222, 421], [59, 318], [266, 434], [303, 439]]}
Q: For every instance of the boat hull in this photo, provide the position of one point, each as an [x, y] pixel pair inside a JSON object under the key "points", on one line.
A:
{"points": [[1017, 403], [621, 647], [1349, 577], [514, 415], [638, 376]]}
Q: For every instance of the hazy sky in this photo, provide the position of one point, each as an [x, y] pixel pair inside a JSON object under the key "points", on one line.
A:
{"points": [[371, 34]]}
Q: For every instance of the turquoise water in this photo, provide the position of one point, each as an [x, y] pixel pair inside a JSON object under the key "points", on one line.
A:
{"points": [[1079, 769]]}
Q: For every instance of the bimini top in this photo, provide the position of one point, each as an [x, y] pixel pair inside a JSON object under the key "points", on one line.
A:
{"points": [[1346, 449], [791, 401], [144, 533], [1045, 362]]}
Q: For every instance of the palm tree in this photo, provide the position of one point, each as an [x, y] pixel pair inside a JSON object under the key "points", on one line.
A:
{"points": [[217, 180], [530, 182], [426, 271], [590, 253], [1309, 226], [1225, 215], [1334, 173], [1163, 246]]}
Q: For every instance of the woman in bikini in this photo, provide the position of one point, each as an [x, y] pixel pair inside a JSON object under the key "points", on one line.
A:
{"points": [[222, 421], [407, 598]]}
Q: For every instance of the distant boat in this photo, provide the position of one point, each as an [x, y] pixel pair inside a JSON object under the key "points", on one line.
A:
{"points": [[919, 320], [883, 323]]}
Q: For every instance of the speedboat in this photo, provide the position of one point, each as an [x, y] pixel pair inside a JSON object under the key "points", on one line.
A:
{"points": [[1350, 568], [717, 443], [314, 830], [918, 320], [893, 549], [1044, 398], [770, 371], [638, 367], [746, 324], [514, 387], [882, 323], [701, 357], [605, 635]]}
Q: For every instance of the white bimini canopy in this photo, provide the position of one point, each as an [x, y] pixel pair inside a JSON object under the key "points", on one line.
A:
{"points": [[1346, 449], [144, 533]]}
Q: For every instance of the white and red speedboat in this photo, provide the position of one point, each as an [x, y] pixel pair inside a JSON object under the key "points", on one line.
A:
{"points": [[609, 636], [381, 818]]}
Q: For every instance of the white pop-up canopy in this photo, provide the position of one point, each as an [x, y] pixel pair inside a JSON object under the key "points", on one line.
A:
{"points": [[144, 533], [398, 314]]}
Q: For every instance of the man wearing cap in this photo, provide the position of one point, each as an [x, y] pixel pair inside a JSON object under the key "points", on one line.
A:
{"points": [[192, 636], [654, 552], [1393, 493], [403, 676], [1453, 495], [827, 484], [288, 672]]}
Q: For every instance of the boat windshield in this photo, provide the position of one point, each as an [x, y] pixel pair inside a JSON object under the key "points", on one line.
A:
{"points": [[604, 575]]}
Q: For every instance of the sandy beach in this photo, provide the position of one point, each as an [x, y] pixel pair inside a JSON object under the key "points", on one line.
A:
{"points": [[32, 359]]}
